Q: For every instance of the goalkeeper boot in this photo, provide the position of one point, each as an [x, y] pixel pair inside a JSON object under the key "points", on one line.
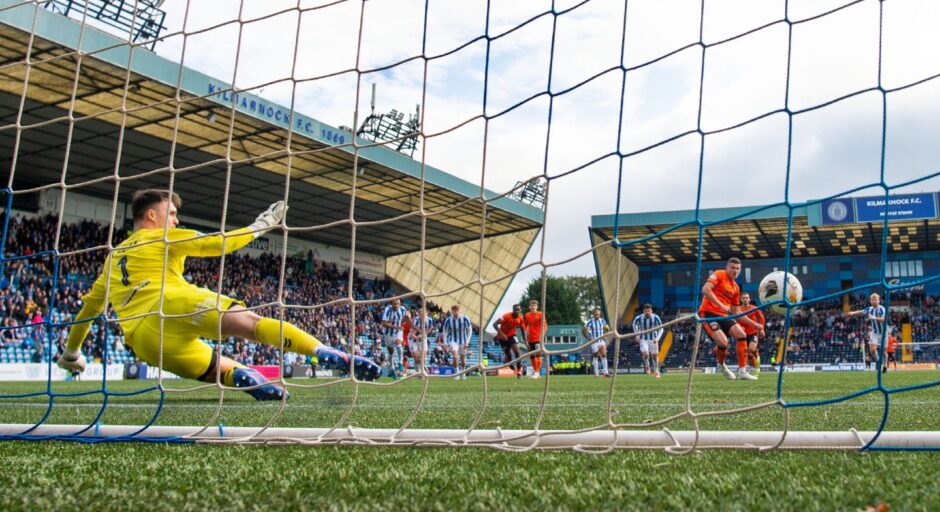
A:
{"points": [[756, 371], [72, 361], [364, 369], [247, 377]]}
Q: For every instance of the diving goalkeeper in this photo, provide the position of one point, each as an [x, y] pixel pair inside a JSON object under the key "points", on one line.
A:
{"points": [[133, 276]]}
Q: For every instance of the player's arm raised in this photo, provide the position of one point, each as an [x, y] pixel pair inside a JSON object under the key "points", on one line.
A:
{"points": [[190, 243]]}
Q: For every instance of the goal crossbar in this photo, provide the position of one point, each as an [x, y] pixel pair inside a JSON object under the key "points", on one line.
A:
{"points": [[510, 439]]}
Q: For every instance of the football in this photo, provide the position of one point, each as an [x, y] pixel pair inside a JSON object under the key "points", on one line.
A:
{"points": [[771, 289]]}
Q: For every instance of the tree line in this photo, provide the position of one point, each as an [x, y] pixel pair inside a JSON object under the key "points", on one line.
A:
{"points": [[569, 299]]}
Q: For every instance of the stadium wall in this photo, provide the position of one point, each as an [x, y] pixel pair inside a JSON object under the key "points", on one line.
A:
{"points": [[617, 283], [447, 269]]}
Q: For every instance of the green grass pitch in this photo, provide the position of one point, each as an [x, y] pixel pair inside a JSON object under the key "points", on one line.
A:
{"points": [[69, 476]]}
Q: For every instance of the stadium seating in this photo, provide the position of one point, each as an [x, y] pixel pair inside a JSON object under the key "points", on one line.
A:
{"points": [[26, 289], [820, 334]]}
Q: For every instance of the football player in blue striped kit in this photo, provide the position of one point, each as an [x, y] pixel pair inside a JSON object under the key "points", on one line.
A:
{"points": [[595, 329], [649, 341], [422, 328], [876, 315], [392, 318], [457, 330]]}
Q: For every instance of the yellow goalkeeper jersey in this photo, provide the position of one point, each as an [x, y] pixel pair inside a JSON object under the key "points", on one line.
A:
{"points": [[133, 274]]}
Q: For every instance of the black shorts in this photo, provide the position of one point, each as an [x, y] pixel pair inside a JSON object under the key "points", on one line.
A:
{"points": [[753, 338], [533, 345], [507, 343], [724, 325], [892, 357]]}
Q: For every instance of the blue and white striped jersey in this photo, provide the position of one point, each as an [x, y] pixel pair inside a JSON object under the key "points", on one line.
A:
{"points": [[595, 327], [423, 326], [394, 317], [643, 322], [877, 326], [457, 330]]}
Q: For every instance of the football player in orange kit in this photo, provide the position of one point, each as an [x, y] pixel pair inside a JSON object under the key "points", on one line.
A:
{"points": [[535, 326], [721, 296], [506, 327], [753, 324]]}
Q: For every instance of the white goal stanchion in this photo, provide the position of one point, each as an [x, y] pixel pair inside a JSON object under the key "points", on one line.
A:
{"points": [[511, 439]]}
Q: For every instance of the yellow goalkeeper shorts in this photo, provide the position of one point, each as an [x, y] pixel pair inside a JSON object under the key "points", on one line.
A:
{"points": [[183, 352]]}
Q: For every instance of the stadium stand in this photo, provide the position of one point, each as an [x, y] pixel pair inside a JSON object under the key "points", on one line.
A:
{"points": [[828, 255], [821, 334], [25, 299]]}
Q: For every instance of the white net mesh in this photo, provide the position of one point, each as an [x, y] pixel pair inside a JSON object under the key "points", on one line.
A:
{"points": [[574, 104]]}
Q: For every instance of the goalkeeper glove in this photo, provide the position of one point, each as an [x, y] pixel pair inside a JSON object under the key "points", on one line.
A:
{"points": [[72, 361], [268, 219]]}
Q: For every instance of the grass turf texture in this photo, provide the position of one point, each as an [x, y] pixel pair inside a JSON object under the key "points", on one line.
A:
{"points": [[62, 475]]}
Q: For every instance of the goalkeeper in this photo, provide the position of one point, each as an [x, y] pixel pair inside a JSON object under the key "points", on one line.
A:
{"points": [[140, 267]]}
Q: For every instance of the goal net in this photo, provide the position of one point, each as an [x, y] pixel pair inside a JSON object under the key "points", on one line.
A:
{"points": [[538, 115]]}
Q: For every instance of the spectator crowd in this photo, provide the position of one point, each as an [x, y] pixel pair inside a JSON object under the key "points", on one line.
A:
{"points": [[31, 293]]}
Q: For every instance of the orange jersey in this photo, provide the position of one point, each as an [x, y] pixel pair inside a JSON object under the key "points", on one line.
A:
{"points": [[726, 291], [405, 328], [508, 324], [533, 326], [755, 315], [892, 344]]}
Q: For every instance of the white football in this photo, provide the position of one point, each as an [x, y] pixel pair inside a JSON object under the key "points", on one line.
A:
{"points": [[771, 289]]}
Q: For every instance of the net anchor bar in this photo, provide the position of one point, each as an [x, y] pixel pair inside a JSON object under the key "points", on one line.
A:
{"points": [[550, 439]]}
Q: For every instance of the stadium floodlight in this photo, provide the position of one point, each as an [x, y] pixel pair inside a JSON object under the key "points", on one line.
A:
{"points": [[531, 192], [392, 129], [598, 423], [142, 22]]}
